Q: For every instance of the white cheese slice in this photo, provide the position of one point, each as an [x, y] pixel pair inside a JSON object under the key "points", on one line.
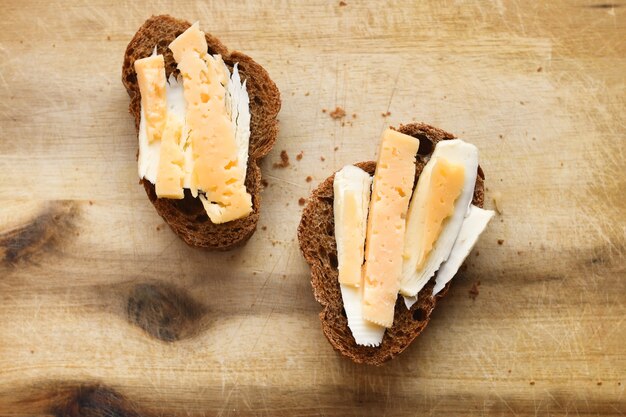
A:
{"points": [[238, 104], [473, 226], [364, 332], [456, 152], [352, 190]]}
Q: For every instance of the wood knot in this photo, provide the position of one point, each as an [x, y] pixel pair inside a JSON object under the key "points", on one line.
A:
{"points": [[46, 230], [164, 311]]}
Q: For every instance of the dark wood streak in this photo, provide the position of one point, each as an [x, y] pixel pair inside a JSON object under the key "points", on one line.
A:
{"points": [[95, 401], [604, 6], [43, 232], [164, 311], [352, 388]]}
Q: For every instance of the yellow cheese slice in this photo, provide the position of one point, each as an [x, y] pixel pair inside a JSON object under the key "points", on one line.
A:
{"points": [[216, 165], [151, 80], [393, 184], [446, 184], [170, 175]]}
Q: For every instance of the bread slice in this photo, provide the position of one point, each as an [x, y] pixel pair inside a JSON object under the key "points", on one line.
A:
{"points": [[317, 242], [187, 217]]}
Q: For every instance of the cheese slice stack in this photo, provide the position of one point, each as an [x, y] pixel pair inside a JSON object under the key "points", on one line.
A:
{"points": [[351, 201], [194, 131], [408, 234]]}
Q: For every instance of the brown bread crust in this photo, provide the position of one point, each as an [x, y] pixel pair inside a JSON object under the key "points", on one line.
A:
{"points": [[316, 235], [187, 217]]}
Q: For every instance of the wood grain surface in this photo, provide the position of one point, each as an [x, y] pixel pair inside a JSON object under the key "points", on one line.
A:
{"points": [[104, 312]]}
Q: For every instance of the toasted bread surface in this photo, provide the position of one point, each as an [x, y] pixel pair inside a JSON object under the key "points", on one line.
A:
{"points": [[317, 242], [187, 217]]}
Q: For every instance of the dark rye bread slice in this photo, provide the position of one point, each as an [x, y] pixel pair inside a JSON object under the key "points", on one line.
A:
{"points": [[187, 217], [316, 234]]}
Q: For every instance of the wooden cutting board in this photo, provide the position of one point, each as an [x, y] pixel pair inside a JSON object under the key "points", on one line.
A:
{"points": [[102, 308]]}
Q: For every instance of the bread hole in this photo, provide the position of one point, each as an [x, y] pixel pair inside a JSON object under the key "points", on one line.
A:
{"points": [[330, 229], [426, 145], [177, 34], [481, 174], [258, 101], [130, 51], [343, 312], [189, 205], [332, 258], [162, 45], [202, 218], [322, 253], [419, 315]]}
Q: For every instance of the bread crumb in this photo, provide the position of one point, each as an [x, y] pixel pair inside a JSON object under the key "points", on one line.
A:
{"points": [[497, 201], [385, 114], [343, 124], [473, 292], [309, 178], [338, 113], [263, 227], [90, 203], [501, 136], [158, 228], [322, 158], [509, 371], [342, 3], [284, 160], [532, 382], [108, 38], [500, 242], [354, 115], [539, 69], [599, 383], [323, 110], [264, 182], [477, 253], [301, 201], [299, 156], [306, 94], [336, 148], [521, 102]]}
